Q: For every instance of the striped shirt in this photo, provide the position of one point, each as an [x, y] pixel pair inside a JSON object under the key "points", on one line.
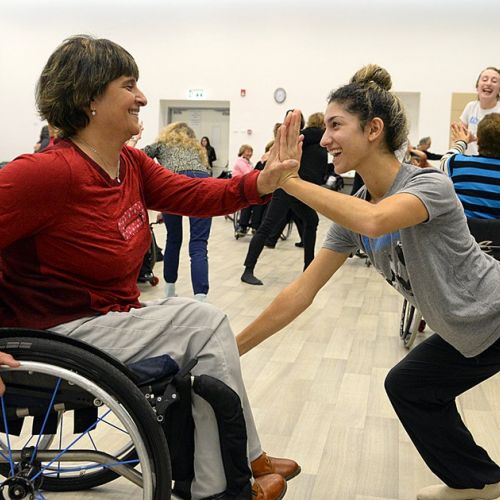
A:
{"points": [[476, 180]]}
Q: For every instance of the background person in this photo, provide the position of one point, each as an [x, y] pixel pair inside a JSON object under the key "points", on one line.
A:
{"points": [[488, 91], [47, 136], [243, 166], [476, 180], [313, 167], [178, 150], [424, 145], [211, 156], [410, 223]]}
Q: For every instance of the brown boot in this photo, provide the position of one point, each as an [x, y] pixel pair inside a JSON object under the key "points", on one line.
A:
{"points": [[270, 465], [268, 487]]}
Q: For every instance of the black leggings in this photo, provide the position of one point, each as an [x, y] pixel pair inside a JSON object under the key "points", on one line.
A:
{"points": [[422, 389], [274, 219]]}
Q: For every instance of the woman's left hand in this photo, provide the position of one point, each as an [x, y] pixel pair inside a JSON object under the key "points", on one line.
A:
{"points": [[459, 132], [284, 157]]}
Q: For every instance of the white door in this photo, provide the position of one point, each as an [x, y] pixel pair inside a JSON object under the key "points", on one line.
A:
{"points": [[212, 122]]}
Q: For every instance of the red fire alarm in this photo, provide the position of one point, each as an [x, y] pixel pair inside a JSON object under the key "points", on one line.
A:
{"points": [[243, 92]]}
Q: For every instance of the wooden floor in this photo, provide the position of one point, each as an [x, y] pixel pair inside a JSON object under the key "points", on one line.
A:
{"points": [[317, 387]]}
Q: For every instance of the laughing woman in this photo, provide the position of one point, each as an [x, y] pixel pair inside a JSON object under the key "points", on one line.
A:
{"points": [[412, 226], [488, 93]]}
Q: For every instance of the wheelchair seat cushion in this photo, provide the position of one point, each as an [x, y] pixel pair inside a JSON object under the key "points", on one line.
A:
{"points": [[154, 368]]}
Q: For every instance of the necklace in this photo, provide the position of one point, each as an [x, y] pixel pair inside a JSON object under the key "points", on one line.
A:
{"points": [[94, 150]]}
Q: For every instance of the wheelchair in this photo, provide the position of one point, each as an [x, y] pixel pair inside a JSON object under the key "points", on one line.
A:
{"points": [[285, 233], [487, 233], [411, 324], [75, 418]]}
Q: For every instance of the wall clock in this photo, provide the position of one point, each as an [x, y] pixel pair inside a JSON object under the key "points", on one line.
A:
{"points": [[280, 95]]}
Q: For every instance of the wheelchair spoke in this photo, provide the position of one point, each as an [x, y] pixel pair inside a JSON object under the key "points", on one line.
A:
{"points": [[60, 441], [116, 427], [92, 441], [49, 409], [62, 452], [6, 427]]}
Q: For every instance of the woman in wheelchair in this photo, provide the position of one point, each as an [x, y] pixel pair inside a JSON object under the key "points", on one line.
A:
{"points": [[411, 225], [74, 230]]}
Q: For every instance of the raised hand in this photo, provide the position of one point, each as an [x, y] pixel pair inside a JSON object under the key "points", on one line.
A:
{"points": [[459, 132], [284, 157]]}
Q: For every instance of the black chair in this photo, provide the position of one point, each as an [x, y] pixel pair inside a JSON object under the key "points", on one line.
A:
{"points": [[487, 233]]}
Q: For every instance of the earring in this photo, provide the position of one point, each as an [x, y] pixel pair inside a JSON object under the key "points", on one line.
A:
{"points": [[93, 112]]}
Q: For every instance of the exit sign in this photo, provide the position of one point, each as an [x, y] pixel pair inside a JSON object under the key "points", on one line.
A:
{"points": [[197, 94]]}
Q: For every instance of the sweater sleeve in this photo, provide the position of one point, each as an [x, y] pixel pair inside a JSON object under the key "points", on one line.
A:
{"points": [[165, 191], [458, 149], [33, 191], [151, 150]]}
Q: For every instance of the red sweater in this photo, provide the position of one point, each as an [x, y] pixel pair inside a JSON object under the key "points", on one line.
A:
{"points": [[72, 240]]}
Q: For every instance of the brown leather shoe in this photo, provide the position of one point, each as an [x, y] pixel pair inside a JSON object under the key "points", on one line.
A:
{"points": [[270, 465], [268, 487]]}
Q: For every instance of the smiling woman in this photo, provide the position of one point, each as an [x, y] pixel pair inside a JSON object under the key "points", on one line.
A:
{"points": [[76, 230], [488, 93], [410, 224]]}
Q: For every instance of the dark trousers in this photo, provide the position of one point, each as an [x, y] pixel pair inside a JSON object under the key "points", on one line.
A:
{"points": [[274, 219], [422, 389], [252, 216]]}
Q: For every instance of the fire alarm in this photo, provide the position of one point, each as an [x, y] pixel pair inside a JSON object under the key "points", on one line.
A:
{"points": [[243, 92]]}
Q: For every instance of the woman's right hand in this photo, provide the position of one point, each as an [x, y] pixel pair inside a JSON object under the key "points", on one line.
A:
{"points": [[7, 359]]}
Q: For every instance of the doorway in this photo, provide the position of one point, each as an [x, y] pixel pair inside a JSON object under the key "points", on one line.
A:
{"points": [[206, 118]]}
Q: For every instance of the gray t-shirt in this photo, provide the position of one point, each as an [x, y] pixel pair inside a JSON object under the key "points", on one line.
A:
{"points": [[437, 265]]}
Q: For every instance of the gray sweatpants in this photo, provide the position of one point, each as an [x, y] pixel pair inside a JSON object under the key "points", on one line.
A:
{"points": [[184, 329]]}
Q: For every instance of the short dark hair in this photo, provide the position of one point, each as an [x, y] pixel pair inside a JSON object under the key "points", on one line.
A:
{"points": [[77, 72], [488, 136]]}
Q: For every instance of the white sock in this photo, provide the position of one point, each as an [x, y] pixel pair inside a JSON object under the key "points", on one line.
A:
{"points": [[200, 297], [443, 492], [170, 290]]}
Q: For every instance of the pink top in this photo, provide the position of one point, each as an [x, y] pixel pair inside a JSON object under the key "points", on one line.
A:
{"points": [[241, 167]]}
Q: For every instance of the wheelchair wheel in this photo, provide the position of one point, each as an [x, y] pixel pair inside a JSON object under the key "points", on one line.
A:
{"points": [[287, 231], [409, 325], [89, 424], [238, 233]]}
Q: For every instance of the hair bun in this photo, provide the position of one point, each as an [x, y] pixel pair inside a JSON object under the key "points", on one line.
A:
{"points": [[372, 74]]}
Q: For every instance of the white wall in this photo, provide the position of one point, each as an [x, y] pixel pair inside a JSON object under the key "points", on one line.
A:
{"points": [[308, 47]]}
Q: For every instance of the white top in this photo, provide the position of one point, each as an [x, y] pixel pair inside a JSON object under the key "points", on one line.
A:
{"points": [[471, 116]]}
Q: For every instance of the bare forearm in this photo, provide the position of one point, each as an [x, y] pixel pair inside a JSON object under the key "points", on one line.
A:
{"points": [[283, 310], [353, 213]]}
